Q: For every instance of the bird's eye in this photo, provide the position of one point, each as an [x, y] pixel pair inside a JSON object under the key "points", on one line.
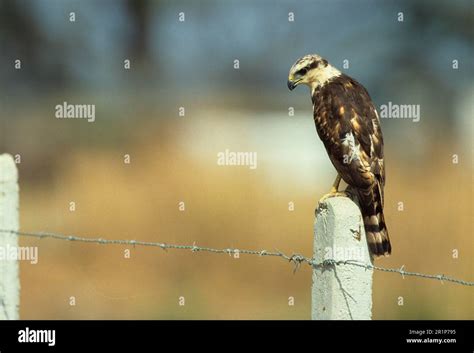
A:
{"points": [[302, 71]]}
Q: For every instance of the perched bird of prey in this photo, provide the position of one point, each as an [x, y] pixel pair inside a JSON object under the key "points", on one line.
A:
{"points": [[349, 126]]}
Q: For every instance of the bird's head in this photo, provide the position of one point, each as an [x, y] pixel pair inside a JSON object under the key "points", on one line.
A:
{"points": [[311, 70]]}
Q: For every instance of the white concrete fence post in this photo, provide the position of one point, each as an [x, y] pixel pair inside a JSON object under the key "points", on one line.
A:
{"points": [[9, 220], [341, 292]]}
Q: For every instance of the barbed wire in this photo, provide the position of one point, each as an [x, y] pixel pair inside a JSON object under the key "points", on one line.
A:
{"points": [[296, 259]]}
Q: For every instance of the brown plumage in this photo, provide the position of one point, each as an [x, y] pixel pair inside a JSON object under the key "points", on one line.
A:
{"points": [[348, 124]]}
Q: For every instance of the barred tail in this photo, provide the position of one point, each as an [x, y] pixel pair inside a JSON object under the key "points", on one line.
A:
{"points": [[371, 204]]}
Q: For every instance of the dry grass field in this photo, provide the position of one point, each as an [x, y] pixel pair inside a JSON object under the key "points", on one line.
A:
{"points": [[230, 207]]}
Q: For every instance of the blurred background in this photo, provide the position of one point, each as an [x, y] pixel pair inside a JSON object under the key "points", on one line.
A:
{"points": [[425, 59]]}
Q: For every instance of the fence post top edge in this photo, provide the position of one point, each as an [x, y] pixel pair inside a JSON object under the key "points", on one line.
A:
{"points": [[8, 170]]}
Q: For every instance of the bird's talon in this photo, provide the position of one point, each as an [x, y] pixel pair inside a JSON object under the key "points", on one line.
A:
{"points": [[333, 194]]}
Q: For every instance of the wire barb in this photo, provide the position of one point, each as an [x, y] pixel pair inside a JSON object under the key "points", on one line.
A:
{"points": [[296, 259]]}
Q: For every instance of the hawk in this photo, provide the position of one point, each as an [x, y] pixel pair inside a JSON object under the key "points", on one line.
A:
{"points": [[349, 126]]}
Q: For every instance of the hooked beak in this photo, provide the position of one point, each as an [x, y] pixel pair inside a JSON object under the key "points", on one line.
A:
{"points": [[292, 83]]}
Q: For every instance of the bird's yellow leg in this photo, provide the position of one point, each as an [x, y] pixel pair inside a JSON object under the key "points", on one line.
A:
{"points": [[335, 185], [334, 189]]}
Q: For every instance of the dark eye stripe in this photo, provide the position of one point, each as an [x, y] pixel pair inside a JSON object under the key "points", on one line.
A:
{"points": [[302, 71]]}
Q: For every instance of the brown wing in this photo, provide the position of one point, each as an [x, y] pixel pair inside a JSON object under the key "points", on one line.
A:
{"points": [[365, 125], [347, 122]]}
